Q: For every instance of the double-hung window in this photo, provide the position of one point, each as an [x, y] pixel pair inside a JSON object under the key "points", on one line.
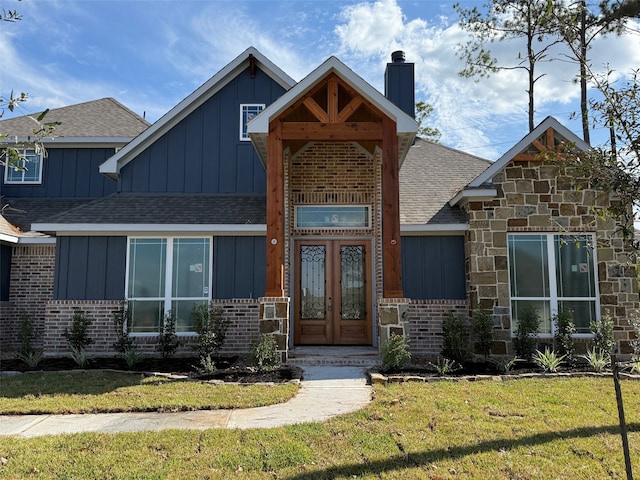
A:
{"points": [[553, 272], [27, 170], [167, 276], [247, 112]]}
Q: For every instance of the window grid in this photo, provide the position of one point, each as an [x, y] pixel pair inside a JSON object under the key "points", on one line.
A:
{"points": [[554, 298], [30, 171], [247, 112]]}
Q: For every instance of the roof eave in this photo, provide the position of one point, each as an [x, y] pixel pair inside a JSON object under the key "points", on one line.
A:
{"points": [[135, 228], [470, 195]]}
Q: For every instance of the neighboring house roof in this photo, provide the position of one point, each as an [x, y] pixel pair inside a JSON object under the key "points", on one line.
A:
{"points": [[430, 176], [23, 212], [91, 121], [258, 128], [138, 212], [112, 166]]}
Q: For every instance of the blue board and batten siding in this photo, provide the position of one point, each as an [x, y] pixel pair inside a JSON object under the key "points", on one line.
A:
{"points": [[433, 268], [203, 153], [94, 268], [67, 173], [90, 268], [239, 266]]}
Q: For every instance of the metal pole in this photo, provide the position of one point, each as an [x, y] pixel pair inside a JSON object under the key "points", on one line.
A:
{"points": [[623, 423]]}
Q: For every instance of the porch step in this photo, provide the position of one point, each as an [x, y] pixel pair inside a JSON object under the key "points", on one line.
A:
{"points": [[334, 355]]}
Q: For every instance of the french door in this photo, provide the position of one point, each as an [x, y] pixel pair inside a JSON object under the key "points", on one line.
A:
{"points": [[332, 304]]}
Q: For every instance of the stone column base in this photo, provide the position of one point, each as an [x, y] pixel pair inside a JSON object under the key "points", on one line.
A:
{"points": [[393, 318], [274, 320]]}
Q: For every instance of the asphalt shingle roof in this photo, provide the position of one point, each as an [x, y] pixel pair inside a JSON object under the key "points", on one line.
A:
{"points": [[181, 209], [22, 212], [430, 176], [98, 118]]}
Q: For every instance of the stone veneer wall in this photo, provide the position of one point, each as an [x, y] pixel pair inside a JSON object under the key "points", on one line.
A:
{"points": [[532, 197], [31, 287]]}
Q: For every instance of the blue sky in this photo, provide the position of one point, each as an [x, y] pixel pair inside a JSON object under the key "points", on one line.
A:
{"points": [[150, 54]]}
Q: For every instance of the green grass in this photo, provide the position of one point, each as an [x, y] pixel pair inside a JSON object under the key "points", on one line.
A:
{"points": [[104, 391], [553, 428]]}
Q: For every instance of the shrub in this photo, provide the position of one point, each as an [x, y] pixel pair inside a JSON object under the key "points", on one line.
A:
{"points": [[168, 341], [444, 366], [264, 353], [394, 353], [597, 359], [78, 338], [504, 365], [482, 327], [211, 326], [565, 329], [527, 327], [602, 331], [455, 338], [27, 335], [549, 361], [122, 325]]}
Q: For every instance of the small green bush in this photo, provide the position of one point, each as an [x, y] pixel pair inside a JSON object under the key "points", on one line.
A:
{"points": [[598, 360], [27, 336], [549, 361], [444, 366], [482, 328], [78, 337], [211, 326], [394, 353], [527, 327], [455, 338], [168, 341], [602, 331], [565, 329], [264, 353]]}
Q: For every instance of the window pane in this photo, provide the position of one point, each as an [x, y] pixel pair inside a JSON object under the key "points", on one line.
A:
{"points": [[147, 257], [14, 175], [248, 113], [528, 266], [181, 309], [541, 306], [583, 313], [31, 166], [146, 315], [574, 271], [191, 267]]}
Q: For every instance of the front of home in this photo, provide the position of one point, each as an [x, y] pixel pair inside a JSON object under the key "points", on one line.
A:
{"points": [[310, 211]]}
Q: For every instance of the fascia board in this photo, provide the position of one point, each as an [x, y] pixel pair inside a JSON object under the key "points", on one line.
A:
{"points": [[189, 104], [404, 123], [37, 240], [434, 229], [8, 238], [467, 195], [70, 141], [547, 123], [126, 228]]}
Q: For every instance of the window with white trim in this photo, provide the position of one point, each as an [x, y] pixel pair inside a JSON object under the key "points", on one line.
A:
{"points": [[167, 276], [247, 112], [27, 170], [553, 272]]}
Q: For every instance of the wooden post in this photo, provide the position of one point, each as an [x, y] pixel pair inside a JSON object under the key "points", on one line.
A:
{"points": [[275, 212], [623, 423]]}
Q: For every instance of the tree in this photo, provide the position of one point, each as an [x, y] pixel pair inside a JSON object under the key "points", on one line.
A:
{"points": [[578, 25], [423, 111], [507, 20], [11, 155]]}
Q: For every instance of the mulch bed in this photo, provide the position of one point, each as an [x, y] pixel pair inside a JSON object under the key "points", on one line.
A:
{"points": [[229, 369]]}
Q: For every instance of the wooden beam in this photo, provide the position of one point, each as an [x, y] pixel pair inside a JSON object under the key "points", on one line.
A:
{"points": [[536, 157], [539, 145], [332, 100], [391, 245], [274, 286], [347, 111], [346, 132], [316, 110], [551, 140]]}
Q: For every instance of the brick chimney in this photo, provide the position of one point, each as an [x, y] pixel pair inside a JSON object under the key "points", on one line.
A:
{"points": [[399, 83]]}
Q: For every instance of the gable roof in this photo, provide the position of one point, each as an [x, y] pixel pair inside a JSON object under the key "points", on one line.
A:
{"points": [[481, 187], [258, 128], [430, 176], [98, 120], [113, 165]]}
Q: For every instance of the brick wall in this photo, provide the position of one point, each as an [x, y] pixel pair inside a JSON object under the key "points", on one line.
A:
{"points": [[533, 196], [31, 287], [425, 324]]}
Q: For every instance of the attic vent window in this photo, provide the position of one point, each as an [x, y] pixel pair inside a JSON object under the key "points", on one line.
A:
{"points": [[247, 112]]}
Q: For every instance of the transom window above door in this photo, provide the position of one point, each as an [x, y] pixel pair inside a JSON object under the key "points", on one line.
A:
{"points": [[333, 216]]}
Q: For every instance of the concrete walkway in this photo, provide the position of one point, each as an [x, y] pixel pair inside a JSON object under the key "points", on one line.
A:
{"points": [[326, 391]]}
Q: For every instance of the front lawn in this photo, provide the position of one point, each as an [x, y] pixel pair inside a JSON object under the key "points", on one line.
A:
{"points": [[106, 391], [549, 428]]}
